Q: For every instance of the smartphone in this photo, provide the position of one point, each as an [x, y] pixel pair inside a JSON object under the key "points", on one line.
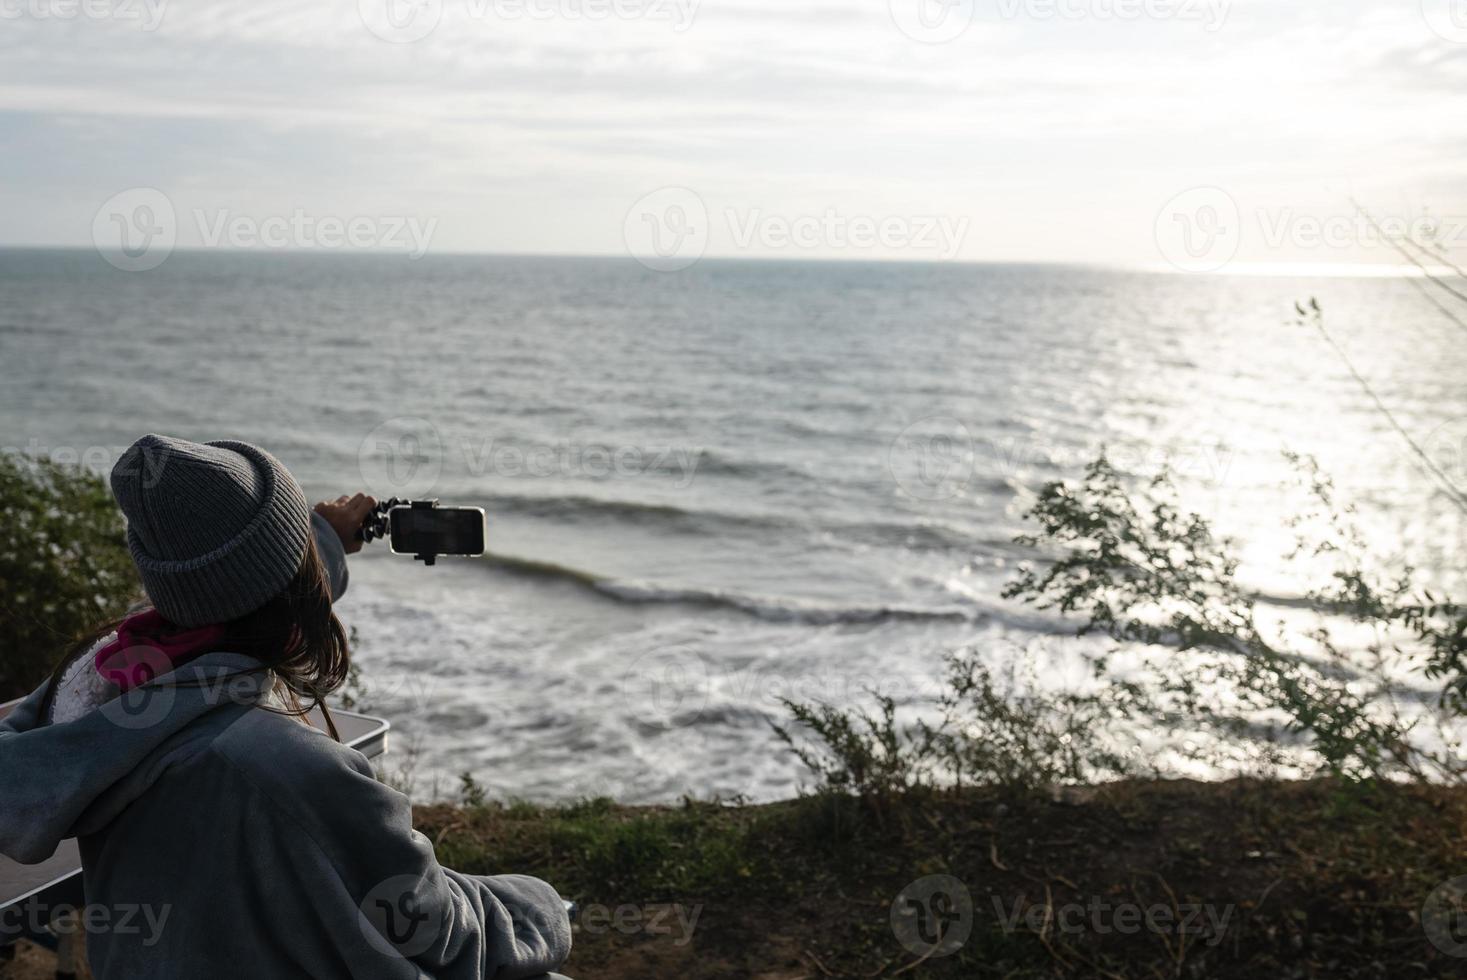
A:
{"points": [[437, 531]]}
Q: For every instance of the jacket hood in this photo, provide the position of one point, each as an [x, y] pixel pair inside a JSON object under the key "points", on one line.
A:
{"points": [[72, 778]]}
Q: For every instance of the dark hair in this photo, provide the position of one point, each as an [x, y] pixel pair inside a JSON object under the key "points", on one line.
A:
{"points": [[295, 635]]}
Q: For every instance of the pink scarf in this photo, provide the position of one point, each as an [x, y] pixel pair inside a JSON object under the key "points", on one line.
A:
{"points": [[148, 646]]}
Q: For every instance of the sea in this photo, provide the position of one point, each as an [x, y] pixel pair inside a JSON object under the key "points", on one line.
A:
{"points": [[714, 491]]}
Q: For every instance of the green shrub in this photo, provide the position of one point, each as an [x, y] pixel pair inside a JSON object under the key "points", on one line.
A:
{"points": [[1136, 568], [994, 734], [471, 793], [1141, 571], [987, 734], [64, 566], [870, 756]]}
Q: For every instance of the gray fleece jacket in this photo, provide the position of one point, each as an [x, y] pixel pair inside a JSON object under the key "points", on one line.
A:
{"points": [[264, 848]]}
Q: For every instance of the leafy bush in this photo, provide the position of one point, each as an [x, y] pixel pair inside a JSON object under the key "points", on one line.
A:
{"points": [[64, 566], [987, 734], [870, 756], [1140, 571], [1000, 735]]}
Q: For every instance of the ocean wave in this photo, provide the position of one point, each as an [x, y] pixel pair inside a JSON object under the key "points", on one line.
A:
{"points": [[768, 608], [708, 462], [575, 507], [922, 536], [918, 535]]}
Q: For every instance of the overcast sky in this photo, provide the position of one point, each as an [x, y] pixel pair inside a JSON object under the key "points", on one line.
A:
{"points": [[1127, 131]]}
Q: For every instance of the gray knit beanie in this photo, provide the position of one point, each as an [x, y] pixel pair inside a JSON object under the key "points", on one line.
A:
{"points": [[216, 529]]}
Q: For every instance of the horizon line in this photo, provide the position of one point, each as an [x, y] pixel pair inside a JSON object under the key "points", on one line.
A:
{"points": [[1278, 270]]}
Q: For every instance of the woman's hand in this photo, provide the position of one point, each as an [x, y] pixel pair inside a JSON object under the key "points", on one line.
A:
{"points": [[346, 516]]}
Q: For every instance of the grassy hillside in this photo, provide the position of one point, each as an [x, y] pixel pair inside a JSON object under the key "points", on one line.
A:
{"points": [[1243, 879]]}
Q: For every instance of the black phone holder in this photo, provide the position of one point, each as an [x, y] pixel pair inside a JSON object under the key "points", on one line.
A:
{"points": [[378, 523]]}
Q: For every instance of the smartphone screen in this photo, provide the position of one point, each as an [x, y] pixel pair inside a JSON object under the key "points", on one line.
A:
{"points": [[438, 531]]}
